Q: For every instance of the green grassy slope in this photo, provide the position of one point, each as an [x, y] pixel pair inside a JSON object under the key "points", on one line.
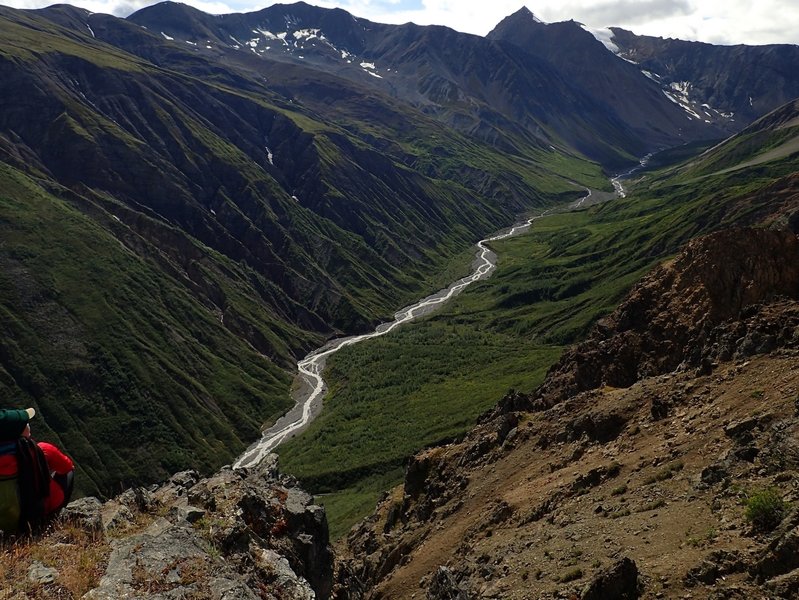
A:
{"points": [[551, 285], [115, 353]]}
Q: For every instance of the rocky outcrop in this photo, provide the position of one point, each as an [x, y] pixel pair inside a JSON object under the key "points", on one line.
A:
{"points": [[705, 305], [617, 582], [236, 535]]}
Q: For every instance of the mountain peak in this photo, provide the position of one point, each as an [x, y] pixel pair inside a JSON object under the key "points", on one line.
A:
{"points": [[525, 14], [521, 20]]}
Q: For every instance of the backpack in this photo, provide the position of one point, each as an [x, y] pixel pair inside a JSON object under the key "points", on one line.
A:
{"points": [[22, 495], [9, 505]]}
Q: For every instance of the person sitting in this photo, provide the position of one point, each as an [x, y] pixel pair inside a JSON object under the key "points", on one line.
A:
{"points": [[36, 479]]}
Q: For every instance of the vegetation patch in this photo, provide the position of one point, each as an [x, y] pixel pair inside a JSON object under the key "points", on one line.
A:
{"points": [[765, 509], [571, 575], [665, 473], [78, 558]]}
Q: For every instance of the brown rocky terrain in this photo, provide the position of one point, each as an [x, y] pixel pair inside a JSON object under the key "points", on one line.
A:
{"points": [[635, 470], [233, 536]]}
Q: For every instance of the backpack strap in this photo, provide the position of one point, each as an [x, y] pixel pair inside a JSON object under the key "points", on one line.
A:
{"points": [[34, 483]]}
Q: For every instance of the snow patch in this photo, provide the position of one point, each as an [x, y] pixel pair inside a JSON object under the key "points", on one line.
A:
{"points": [[604, 35], [366, 65], [90, 30], [345, 55], [167, 37], [373, 74], [652, 76], [681, 87], [307, 34], [270, 156], [191, 43], [679, 95]]}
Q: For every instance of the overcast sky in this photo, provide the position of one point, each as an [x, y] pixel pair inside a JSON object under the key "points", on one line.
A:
{"points": [[715, 21]]}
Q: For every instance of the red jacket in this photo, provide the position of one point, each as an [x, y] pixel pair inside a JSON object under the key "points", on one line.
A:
{"points": [[58, 463]]}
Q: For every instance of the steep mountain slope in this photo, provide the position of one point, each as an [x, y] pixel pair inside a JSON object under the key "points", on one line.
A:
{"points": [[742, 82], [769, 139], [608, 81], [241, 226]]}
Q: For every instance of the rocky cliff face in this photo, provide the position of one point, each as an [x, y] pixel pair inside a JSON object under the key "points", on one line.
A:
{"points": [[235, 535], [629, 473], [680, 314]]}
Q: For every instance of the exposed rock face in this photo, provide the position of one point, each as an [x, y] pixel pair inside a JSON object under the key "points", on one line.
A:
{"points": [[236, 535], [617, 582], [702, 307]]}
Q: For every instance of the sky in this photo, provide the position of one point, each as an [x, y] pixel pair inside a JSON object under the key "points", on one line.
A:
{"points": [[714, 21]]}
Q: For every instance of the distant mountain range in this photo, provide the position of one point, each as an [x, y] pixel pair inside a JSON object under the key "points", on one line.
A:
{"points": [[556, 80], [190, 202]]}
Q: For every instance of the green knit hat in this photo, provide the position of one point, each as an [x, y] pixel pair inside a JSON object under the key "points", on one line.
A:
{"points": [[13, 421]]}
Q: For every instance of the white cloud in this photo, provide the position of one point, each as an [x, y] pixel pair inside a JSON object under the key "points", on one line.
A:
{"points": [[716, 21]]}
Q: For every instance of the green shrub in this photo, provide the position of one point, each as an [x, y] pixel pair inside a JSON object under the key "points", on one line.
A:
{"points": [[665, 473], [622, 489], [765, 509], [572, 575]]}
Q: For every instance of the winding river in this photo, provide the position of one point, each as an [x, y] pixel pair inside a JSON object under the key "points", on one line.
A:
{"points": [[309, 394], [308, 397]]}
